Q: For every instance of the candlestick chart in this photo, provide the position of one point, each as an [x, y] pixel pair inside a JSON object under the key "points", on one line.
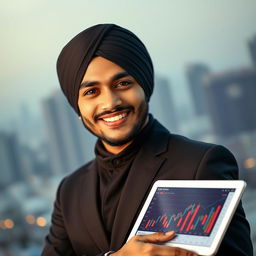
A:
{"points": [[190, 211]]}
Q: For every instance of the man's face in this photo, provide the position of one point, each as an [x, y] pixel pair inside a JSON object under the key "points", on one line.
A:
{"points": [[112, 104]]}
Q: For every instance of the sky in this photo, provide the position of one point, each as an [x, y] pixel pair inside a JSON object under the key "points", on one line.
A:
{"points": [[176, 32]]}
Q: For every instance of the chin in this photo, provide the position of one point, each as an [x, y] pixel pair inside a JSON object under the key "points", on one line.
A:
{"points": [[117, 142], [127, 136]]}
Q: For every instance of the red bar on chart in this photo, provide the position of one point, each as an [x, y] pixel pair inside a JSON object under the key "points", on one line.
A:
{"points": [[165, 220], [192, 218], [209, 220], [213, 219], [147, 224], [179, 221], [204, 219], [184, 223]]}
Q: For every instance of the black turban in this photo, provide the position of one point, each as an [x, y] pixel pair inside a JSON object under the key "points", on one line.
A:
{"points": [[109, 41]]}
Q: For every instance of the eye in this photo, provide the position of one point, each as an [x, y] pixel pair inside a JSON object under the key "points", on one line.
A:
{"points": [[90, 92], [123, 83]]}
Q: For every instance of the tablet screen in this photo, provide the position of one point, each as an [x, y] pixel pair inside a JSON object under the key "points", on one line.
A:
{"points": [[194, 213]]}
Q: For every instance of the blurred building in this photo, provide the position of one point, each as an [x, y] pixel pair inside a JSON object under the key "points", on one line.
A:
{"points": [[243, 146], [231, 101], [70, 144], [162, 104], [252, 49], [11, 167], [196, 75]]}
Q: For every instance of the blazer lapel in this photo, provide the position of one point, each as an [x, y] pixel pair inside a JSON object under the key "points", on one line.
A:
{"points": [[90, 211], [139, 182]]}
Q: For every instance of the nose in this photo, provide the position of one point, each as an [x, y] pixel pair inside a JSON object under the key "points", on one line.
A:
{"points": [[109, 100]]}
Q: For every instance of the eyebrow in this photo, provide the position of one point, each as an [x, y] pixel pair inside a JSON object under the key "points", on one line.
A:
{"points": [[113, 78]]}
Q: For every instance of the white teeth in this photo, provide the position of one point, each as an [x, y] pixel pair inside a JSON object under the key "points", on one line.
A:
{"points": [[115, 118]]}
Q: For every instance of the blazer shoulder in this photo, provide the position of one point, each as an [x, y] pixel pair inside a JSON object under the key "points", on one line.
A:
{"points": [[180, 140], [190, 146], [207, 160], [176, 146]]}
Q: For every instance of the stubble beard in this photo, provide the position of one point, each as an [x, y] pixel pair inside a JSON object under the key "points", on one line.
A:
{"points": [[142, 117]]}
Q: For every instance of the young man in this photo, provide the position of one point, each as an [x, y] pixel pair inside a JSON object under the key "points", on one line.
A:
{"points": [[107, 76]]}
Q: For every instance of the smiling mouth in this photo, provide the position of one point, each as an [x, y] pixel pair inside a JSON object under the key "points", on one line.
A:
{"points": [[116, 119]]}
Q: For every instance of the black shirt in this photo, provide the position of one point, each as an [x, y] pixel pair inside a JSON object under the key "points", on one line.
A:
{"points": [[113, 171]]}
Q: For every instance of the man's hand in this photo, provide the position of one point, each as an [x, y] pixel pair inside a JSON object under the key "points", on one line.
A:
{"points": [[145, 245]]}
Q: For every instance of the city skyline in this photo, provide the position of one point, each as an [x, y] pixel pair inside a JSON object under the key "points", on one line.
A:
{"points": [[176, 33]]}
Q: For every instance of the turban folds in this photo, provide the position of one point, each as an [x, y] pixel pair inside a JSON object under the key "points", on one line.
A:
{"points": [[109, 41]]}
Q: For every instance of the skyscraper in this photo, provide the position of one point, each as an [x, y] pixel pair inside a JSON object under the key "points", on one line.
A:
{"points": [[162, 104], [196, 75], [252, 48], [11, 167], [70, 144], [231, 101]]}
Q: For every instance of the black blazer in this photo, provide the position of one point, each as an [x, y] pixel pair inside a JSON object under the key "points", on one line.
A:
{"points": [[77, 227]]}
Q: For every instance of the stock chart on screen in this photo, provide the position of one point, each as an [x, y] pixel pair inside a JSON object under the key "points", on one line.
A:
{"points": [[191, 211]]}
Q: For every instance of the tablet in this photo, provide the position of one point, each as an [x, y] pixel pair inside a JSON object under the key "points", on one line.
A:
{"points": [[199, 211]]}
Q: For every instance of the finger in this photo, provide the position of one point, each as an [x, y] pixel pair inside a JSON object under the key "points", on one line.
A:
{"points": [[170, 251], [156, 237]]}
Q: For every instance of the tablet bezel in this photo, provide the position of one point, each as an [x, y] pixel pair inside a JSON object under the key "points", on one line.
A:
{"points": [[238, 185]]}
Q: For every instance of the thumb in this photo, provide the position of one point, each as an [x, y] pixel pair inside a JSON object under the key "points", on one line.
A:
{"points": [[156, 237]]}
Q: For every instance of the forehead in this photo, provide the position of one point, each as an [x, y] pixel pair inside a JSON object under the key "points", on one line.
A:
{"points": [[100, 67]]}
